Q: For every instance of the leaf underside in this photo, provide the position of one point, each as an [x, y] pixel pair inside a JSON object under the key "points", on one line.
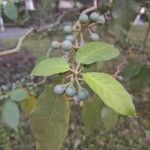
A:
{"points": [[49, 120], [109, 117], [19, 94], [91, 114], [11, 11], [11, 114]]}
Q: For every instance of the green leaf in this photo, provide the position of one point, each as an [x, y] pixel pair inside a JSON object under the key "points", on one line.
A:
{"points": [[11, 114], [132, 69], [19, 94], [51, 66], [141, 80], [111, 92], [109, 117], [49, 120], [11, 11], [91, 113], [96, 51], [125, 11]]}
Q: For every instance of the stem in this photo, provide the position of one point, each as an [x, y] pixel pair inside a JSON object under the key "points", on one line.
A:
{"points": [[48, 52], [18, 46], [72, 80], [78, 84]]}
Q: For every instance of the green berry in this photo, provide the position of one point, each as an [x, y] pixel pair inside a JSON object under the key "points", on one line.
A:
{"points": [[101, 19], [22, 80], [94, 37], [69, 38], [14, 85], [4, 87], [67, 29], [18, 82], [55, 44], [67, 45], [59, 89], [70, 91], [84, 18], [83, 94], [30, 88], [94, 17]]}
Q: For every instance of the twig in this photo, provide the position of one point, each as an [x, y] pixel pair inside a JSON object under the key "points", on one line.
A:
{"points": [[51, 26], [91, 8], [18, 46], [42, 81], [94, 7], [120, 67]]}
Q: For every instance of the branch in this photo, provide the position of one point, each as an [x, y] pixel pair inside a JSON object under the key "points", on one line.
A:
{"points": [[94, 7], [58, 21], [77, 24], [18, 46], [51, 26], [120, 67]]}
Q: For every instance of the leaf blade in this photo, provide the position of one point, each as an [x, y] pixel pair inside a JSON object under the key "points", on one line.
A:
{"points": [[91, 113], [11, 11], [49, 120], [51, 66], [19, 94], [11, 114], [109, 117], [111, 92], [132, 69], [96, 51]]}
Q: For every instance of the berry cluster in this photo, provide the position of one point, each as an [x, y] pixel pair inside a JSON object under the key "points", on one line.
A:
{"points": [[93, 19], [28, 83], [86, 22], [73, 40], [15, 67], [71, 91]]}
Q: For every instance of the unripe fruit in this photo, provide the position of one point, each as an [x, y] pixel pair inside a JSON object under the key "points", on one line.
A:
{"points": [[83, 94], [22, 80], [66, 45], [14, 85], [94, 37], [94, 16], [55, 44], [71, 91], [30, 88], [101, 19], [67, 29], [4, 87], [83, 18], [59, 89], [69, 38]]}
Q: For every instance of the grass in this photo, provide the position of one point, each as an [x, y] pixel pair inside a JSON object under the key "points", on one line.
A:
{"points": [[6, 44], [137, 35], [37, 46]]}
